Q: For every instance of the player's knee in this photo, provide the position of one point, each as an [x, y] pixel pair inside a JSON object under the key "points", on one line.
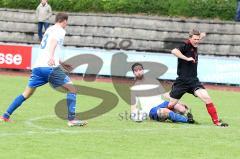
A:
{"points": [[204, 96], [180, 108]]}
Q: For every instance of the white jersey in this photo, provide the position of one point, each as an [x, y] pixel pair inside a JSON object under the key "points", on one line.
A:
{"points": [[144, 98], [53, 32], [146, 103]]}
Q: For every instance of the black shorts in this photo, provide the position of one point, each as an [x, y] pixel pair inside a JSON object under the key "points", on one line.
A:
{"points": [[182, 86]]}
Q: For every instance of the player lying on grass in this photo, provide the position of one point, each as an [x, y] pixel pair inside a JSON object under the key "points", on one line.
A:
{"points": [[146, 103], [47, 69]]}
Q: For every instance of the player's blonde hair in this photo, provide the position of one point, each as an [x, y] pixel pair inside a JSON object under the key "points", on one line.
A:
{"points": [[194, 32]]}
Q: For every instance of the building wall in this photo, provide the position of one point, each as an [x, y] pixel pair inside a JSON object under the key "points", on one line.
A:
{"points": [[156, 34]]}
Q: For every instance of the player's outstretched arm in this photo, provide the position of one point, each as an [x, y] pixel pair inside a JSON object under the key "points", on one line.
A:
{"points": [[178, 54]]}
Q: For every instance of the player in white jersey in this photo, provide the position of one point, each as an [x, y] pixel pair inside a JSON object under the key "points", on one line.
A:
{"points": [[56, 34], [47, 70], [146, 100]]}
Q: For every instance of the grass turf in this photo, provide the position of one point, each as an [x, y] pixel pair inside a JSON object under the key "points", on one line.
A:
{"points": [[38, 133]]}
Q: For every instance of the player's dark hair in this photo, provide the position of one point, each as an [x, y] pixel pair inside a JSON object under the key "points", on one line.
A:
{"points": [[194, 32], [60, 17], [135, 65]]}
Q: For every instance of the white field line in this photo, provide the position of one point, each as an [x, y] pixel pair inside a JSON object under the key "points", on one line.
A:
{"points": [[44, 130]]}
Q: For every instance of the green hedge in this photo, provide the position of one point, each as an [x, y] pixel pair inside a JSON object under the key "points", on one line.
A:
{"points": [[222, 9]]}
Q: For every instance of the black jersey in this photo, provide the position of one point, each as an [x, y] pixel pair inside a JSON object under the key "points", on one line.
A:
{"points": [[186, 69]]}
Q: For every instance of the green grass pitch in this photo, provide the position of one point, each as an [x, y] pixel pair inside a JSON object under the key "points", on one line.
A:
{"points": [[37, 133]]}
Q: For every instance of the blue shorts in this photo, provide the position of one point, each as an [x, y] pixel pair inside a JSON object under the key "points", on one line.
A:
{"points": [[42, 75], [153, 112]]}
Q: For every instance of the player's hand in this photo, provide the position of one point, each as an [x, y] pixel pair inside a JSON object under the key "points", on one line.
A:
{"points": [[190, 59], [67, 67], [170, 107], [51, 62], [202, 35]]}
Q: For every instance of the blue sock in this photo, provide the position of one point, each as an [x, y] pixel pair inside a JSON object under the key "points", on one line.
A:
{"points": [[15, 104], [71, 104], [175, 117]]}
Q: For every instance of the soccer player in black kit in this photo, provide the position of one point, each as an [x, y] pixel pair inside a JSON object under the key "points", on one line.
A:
{"points": [[187, 80]]}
